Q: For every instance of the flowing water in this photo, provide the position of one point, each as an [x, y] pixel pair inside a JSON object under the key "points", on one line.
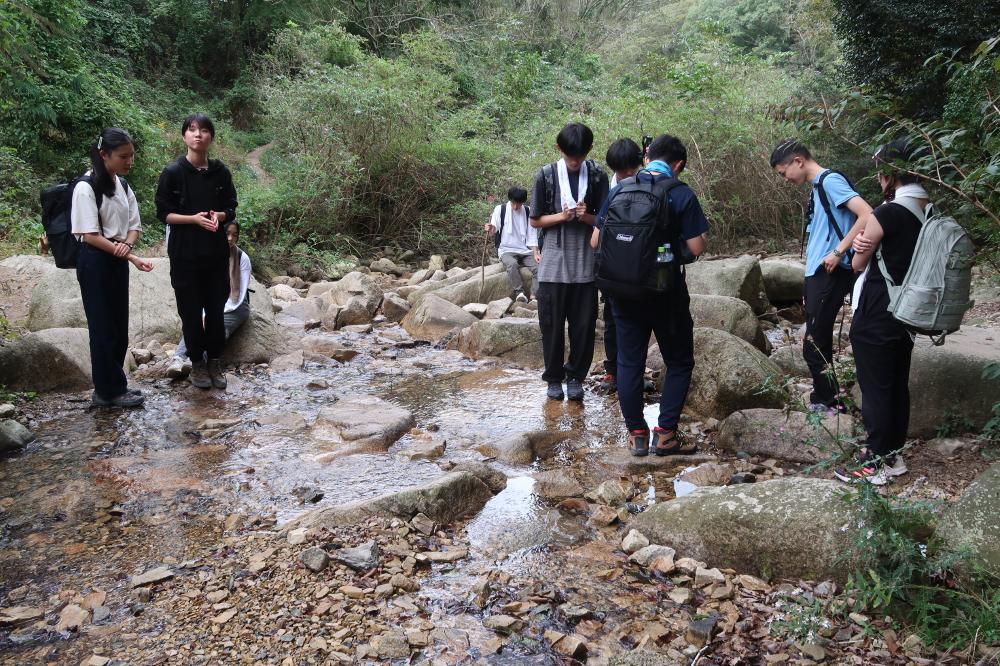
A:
{"points": [[103, 495]]}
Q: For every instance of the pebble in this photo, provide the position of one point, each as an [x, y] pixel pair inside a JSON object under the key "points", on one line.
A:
{"points": [[297, 537], [315, 559], [360, 558], [634, 541], [703, 577]]}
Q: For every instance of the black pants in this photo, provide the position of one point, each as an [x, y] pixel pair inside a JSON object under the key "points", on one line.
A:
{"points": [[610, 338], [884, 377], [201, 289], [559, 304], [104, 287], [825, 294], [669, 319]]}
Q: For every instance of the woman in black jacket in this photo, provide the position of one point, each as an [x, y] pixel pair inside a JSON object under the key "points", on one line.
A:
{"points": [[196, 198]]}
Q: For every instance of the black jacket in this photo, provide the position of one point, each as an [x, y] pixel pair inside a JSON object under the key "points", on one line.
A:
{"points": [[186, 190]]}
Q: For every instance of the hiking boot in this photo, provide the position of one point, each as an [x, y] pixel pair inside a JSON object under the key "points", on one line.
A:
{"points": [[638, 442], [199, 375], [555, 391], [127, 399], [179, 368], [607, 384], [669, 443], [521, 298], [574, 390], [216, 374]]}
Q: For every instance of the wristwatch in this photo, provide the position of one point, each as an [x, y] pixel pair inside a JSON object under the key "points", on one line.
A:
{"points": [[837, 253]]}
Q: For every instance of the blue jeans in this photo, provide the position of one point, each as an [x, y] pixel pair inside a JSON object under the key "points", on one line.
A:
{"points": [[669, 319], [103, 281]]}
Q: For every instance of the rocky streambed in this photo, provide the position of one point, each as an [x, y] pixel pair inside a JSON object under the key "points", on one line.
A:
{"points": [[372, 498]]}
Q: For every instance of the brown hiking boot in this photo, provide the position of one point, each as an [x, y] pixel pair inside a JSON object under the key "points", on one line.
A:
{"points": [[199, 375], [638, 442], [216, 374]]}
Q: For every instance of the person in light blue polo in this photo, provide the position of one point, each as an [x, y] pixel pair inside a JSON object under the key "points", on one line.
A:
{"points": [[834, 210]]}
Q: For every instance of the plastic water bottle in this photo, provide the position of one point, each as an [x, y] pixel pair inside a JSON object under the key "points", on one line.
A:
{"points": [[664, 270]]}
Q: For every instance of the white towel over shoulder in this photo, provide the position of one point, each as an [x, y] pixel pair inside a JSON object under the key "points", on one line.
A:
{"points": [[565, 193]]}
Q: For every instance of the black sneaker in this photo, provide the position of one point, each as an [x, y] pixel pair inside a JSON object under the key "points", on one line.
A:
{"points": [[125, 400], [574, 389], [555, 391]]}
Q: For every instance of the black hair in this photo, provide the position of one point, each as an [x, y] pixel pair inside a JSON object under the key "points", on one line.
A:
{"points": [[201, 120], [624, 154], [109, 140], [667, 148], [518, 194], [575, 140], [234, 224], [890, 156], [787, 149]]}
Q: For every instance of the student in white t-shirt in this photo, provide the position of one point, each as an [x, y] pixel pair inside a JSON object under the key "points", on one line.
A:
{"points": [[237, 308], [517, 241], [105, 218]]}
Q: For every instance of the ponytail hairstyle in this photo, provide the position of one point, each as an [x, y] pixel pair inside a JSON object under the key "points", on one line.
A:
{"points": [[109, 140], [888, 160]]}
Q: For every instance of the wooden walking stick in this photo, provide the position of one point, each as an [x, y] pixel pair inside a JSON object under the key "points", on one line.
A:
{"points": [[482, 270]]}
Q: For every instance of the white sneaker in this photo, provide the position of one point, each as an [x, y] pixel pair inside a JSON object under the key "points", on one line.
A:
{"points": [[179, 368], [895, 465]]}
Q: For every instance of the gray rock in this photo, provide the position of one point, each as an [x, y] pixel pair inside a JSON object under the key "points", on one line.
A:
{"points": [[360, 424], [783, 279], [261, 339], [730, 315], [477, 310], [156, 575], [7, 411], [14, 436], [498, 308], [436, 263], [730, 374], [970, 523], [394, 307], [419, 277], [556, 484], [56, 359], [290, 361], [315, 559], [949, 446], [493, 478], [354, 285], [354, 312], [645, 555], [283, 292], [789, 358], [613, 492], [321, 344], [438, 276], [391, 644], [947, 382], [311, 307], [361, 558], [643, 657], [792, 436], [512, 339], [433, 317], [634, 541], [444, 500], [785, 528], [386, 266], [740, 278], [426, 450], [469, 293]]}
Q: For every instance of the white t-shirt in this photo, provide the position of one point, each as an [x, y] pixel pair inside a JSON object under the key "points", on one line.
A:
{"points": [[518, 236], [245, 270], [119, 212]]}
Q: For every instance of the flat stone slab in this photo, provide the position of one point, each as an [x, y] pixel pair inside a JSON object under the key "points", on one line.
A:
{"points": [[635, 465]]}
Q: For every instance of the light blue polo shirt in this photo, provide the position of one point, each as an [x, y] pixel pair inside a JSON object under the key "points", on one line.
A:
{"points": [[822, 238]]}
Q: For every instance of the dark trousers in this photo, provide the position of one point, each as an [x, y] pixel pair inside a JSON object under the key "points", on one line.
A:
{"points": [[559, 304], [884, 377], [104, 287], [824, 294], [610, 339], [669, 319], [201, 290]]}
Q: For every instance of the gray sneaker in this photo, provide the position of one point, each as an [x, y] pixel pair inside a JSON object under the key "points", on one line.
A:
{"points": [[574, 389], [179, 368], [555, 391], [127, 399], [200, 376], [216, 374]]}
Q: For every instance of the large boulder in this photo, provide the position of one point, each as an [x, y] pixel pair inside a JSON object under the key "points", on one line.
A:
{"points": [[730, 315], [729, 374], [19, 275], [462, 492], [475, 290], [739, 277], [785, 528], [783, 279], [260, 339], [14, 436], [354, 285], [435, 283], [49, 360], [789, 358], [971, 522], [793, 436], [360, 424], [513, 339], [947, 382], [432, 317]]}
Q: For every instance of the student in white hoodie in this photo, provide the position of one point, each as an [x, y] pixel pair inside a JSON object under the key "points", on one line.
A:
{"points": [[516, 241]]}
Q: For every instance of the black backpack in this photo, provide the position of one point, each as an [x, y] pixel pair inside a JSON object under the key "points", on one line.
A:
{"points": [[549, 180], [636, 224], [503, 220], [57, 208]]}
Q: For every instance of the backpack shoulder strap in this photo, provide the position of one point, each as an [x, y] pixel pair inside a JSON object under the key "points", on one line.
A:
{"points": [[549, 180], [825, 202], [98, 198]]}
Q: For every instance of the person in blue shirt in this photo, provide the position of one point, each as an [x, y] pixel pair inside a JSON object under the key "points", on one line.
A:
{"points": [[836, 212], [667, 316]]}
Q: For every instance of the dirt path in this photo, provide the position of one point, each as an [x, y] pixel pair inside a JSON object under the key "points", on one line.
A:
{"points": [[253, 159]]}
